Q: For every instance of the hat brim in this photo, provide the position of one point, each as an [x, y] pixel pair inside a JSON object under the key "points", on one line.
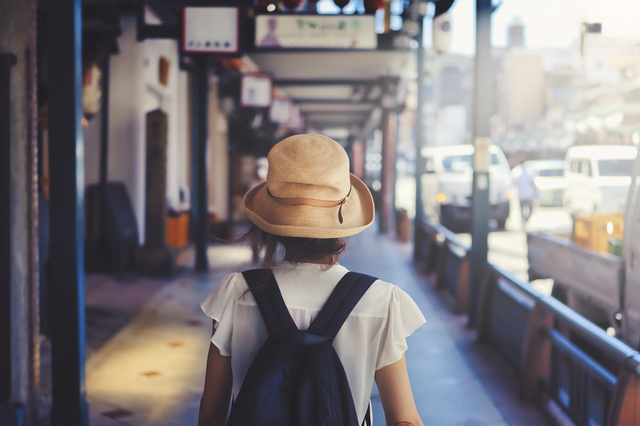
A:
{"points": [[309, 221]]}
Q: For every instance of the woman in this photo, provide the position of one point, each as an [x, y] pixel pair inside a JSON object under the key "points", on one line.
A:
{"points": [[308, 203]]}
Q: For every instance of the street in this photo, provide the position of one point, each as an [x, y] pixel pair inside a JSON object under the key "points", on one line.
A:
{"points": [[508, 248]]}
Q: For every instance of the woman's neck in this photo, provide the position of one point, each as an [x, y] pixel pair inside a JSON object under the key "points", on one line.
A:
{"points": [[327, 260]]}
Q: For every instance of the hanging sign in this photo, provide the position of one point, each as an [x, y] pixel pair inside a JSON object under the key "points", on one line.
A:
{"points": [[316, 31], [279, 112], [211, 30], [255, 90], [296, 119]]}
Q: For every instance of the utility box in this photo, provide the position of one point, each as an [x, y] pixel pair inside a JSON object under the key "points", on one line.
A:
{"points": [[595, 231], [404, 226]]}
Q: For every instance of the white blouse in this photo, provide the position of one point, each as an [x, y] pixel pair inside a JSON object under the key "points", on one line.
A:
{"points": [[372, 337]]}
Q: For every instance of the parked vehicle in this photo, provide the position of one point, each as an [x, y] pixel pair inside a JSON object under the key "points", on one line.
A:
{"points": [[598, 178], [602, 287], [549, 181], [447, 185]]}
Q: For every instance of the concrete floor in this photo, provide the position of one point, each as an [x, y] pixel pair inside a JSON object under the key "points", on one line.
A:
{"points": [[146, 367]]}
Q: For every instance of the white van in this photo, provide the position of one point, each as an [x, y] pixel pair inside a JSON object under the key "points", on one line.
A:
{"points": [[447, 185], [549, 180], [598, 178]]}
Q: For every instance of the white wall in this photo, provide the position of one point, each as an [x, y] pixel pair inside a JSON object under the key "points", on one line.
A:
{"points": [[92, 151], [134, 91]]}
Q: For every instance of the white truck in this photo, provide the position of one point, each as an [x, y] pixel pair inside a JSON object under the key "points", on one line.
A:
{"points": [[601, 287], [447, 185]]}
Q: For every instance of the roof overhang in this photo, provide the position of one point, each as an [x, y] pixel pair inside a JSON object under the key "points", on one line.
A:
{"points": [[334, 88]]}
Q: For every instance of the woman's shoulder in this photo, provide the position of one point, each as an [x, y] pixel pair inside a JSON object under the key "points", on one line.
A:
{"points": [[231, 288], [377, 300]]}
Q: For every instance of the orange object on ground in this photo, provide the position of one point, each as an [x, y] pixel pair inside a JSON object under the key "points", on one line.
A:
{"points": [[178, 230]]}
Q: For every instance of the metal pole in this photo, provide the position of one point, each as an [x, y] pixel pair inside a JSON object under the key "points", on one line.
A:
{"points": [[420, 128], [7, 60], [199, 135], [67, 291], [483, 90]]}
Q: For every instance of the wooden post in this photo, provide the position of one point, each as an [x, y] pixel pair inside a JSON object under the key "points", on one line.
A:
{"points": [[387, 178], [625, 403], [483, 325], [441, 261], [536, 358], [462, 289]]}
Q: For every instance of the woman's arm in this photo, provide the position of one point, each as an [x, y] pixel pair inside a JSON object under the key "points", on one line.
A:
{"points": [[396, 396], [218, 382]]}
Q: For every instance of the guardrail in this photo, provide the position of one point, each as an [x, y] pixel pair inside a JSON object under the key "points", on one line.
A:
{"points": [[593, 377]]}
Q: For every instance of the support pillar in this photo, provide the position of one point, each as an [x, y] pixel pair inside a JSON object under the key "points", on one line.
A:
{"points": [[420, 131], [104, 120], [387, 176], [199, 81], [482, 106], [67, 291], [7, 60]]}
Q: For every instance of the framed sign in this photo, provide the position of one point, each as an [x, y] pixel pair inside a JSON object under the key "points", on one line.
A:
{"points": [[316, 32], [211, 30], [255, 90]]}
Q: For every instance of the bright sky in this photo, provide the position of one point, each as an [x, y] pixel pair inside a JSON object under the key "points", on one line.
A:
{"points": [[548, 23]]}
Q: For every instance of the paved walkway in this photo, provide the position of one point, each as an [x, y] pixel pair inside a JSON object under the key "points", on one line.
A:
{"points": [[151, 372]]}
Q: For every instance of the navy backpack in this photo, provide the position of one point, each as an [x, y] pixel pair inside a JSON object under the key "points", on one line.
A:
{"points": [[296, 378]]}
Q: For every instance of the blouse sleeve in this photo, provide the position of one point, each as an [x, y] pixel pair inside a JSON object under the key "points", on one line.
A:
{"points": [[219, 306], [404, 318]]}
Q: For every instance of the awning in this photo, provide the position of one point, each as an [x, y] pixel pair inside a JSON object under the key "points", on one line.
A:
{"points": [[335, 88]]}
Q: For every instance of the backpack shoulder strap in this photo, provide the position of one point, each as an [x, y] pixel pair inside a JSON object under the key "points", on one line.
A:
{"points": [[267, 295], [341, 302]]}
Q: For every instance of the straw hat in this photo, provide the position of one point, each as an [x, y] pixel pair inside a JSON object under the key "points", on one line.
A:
{"points": [[309, 191]]}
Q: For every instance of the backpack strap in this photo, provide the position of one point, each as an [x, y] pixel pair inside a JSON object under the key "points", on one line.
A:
{"points": [[267, 295], [341, 302]]}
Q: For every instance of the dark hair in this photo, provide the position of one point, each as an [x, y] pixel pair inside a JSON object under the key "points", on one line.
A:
{"points": [[297, 249]]}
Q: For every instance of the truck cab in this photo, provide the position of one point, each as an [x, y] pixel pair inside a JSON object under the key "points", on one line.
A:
{"points": [[598, 178], [602, 286]]}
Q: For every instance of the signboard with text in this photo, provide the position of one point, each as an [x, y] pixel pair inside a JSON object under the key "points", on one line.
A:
{"points": [[316, 32], [211, 30]]}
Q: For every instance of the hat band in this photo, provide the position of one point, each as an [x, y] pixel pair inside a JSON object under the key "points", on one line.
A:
{"points": [[312, 202]]}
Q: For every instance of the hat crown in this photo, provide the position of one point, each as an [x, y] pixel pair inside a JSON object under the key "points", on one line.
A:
{"points": [[308, 166]]}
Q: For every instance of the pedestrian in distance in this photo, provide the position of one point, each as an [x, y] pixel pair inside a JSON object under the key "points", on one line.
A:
{"points": [[524, 178], [300, 342]]}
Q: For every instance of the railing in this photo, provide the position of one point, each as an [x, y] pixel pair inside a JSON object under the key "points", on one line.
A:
{"points": [[447, 257], [593, 377]]}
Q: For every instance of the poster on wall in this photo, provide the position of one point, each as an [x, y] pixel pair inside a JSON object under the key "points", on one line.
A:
{"points": [[255, 90], [316, 31], [211, 30]]}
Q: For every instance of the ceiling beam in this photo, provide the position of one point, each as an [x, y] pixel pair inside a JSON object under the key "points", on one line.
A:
{"points": [[324, 82], [341, 101], [346, 112]]}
